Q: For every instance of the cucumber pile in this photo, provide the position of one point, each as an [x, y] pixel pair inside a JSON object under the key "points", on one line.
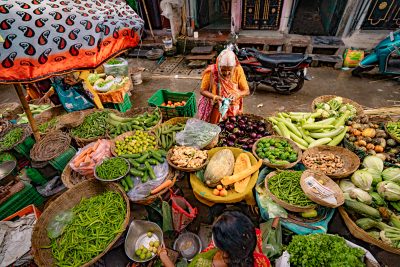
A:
{"points": [[118, 125], [166, 134], [142, 164]]}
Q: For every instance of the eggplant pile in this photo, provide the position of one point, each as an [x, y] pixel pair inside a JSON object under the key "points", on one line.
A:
{"points": [[242, 131]]}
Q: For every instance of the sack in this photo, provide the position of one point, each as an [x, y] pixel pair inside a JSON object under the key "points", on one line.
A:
{"points": [[182, 212], [204, 108], [71, 98], [352, 58]]}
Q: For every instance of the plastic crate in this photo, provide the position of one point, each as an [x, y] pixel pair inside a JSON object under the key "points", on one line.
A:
{"points": [[19, 200], [25, 147], [35, 176], [61, 161], [163, 95], [122, 107], [25, 211]]}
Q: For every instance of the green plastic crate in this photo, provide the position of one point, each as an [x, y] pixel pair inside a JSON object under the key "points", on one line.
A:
{"points": [[122, 107], [19, 200], [25, 147], [35, 176], [163, 95], [61, 161]]}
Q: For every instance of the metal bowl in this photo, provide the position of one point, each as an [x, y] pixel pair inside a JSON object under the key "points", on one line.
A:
{"points": [[154, 54], [111, 180], [137, 236], [6, 169], [188, 244]]}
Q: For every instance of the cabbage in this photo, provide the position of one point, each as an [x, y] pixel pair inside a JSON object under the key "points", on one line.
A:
{"points": [[373, 162], [389, 190], [361, 196], [362, 179], [346, 186], [376, 176], [391, 174]]}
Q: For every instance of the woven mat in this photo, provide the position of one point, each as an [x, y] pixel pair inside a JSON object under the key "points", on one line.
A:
{"points": [[50, 146]]}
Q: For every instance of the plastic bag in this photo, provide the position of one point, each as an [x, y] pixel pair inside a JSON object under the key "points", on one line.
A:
{"points": [[352, 58], [117, 70], [197, 133], [142, 190], [272, 238], [52, 187], [266, 203], [57, 225], [72, 97], [86, 167]]}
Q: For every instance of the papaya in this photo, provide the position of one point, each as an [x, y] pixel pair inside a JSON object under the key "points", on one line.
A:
{"points": [[242, 163], [221, 164]]}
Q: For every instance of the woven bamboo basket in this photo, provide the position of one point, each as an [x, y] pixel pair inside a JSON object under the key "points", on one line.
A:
{"points": [[278, 166], [121, 138], [169, 155], [81, 142], [351, 161], [392, 135], [133, 112], [40, 241], [282, 203], [71, 178], [71, 120], [5, 125], [364, 236], [327, 182], [151, 198], [49, 114], [11, 110], [256, 117], [176, 120], [27, 132], [52, 145], [326, 98]]}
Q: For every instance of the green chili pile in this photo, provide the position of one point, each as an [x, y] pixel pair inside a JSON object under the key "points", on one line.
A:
{"points": [[112, 168], [96, 222], [94, 125], [10, 138], [285, 185]]}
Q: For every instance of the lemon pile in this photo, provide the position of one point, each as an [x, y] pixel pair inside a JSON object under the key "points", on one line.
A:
{"points": [[139, 142]]}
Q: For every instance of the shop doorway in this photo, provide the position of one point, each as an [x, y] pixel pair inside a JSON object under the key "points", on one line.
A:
{"points": [[214, 14], [316, 17]]}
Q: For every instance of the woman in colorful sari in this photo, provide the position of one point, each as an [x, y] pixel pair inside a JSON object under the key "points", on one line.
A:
{"points": [[235, 243], [223, 80]]}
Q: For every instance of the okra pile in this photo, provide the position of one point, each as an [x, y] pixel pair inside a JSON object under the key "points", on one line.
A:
{"points": [[96, 222], [94, 125], [285, 185], [111, 169]]}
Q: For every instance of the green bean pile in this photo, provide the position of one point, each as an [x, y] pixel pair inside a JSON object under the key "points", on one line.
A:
{"points": [[96, 222], [46, 125], [94, 125], [10, 138], [286, 186], [112, 168]]}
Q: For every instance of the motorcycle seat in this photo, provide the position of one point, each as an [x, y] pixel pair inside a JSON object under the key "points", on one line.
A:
{"points": [[281, 60]]}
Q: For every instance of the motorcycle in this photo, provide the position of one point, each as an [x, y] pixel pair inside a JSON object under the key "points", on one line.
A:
{"points": [[385, 56], [284, 72]]}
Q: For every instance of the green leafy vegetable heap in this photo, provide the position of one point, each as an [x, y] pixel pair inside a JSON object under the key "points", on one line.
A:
{"points": [[47, 125], [96, 222], [323, 250], [94, 125], [393, 128], [276, 151], [10, 138], [286, 186], [112, 169]]}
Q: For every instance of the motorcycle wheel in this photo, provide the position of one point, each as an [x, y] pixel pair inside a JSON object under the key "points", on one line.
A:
{"points": [[359, 70], [295, 85]]}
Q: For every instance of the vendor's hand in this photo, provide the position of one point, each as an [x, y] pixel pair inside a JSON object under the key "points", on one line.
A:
{"points": [[162, 251], [217, 98]]}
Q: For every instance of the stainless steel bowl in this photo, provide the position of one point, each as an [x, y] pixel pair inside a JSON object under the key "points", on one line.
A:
{"points": [[111, 180], [137, 236], [6, 169], [188, 244]]}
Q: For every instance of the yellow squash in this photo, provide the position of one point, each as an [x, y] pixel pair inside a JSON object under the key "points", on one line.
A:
{"points": [[242, 163]]}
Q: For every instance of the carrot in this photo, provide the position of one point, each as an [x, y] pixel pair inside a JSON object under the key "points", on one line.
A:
{"points": [[87, 158], [161, 187], [96, 145], [79, 159]]}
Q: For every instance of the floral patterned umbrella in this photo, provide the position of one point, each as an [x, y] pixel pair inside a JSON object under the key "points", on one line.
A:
{"points": [[44, 38]]}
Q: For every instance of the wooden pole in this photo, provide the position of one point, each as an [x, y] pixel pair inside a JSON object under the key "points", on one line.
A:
{"points": [[148, 19], [25, 106]]}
